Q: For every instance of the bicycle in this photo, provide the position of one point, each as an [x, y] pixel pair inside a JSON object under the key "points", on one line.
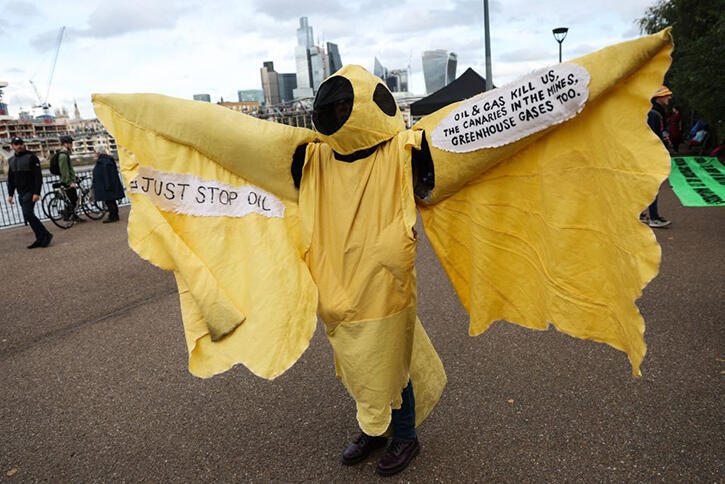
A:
{"points": [[93, 209], [57, 205]]}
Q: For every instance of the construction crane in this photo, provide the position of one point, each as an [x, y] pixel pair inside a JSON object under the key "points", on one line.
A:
{"points": [[43, 101]]}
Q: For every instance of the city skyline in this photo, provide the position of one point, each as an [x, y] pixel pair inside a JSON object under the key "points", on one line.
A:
{"points": [[182, 48]]}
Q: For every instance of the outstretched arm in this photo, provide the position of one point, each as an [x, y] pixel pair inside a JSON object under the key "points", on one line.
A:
{"points": [[257, 150], [213, 200]]}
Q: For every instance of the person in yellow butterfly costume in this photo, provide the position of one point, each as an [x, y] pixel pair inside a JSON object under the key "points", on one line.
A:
{"points": [[267, 226]]}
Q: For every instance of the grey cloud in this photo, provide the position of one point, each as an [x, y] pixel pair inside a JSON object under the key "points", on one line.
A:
{"points": [[632, 31], [580, 49], [112, 20], [289, 9], [525, 55], [48, 39], [22, 100], [19, 8], [464, 12], [269, 28]]}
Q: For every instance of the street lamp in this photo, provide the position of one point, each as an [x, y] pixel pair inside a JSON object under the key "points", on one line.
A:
{"points": [[560, 35], [486, 30]]}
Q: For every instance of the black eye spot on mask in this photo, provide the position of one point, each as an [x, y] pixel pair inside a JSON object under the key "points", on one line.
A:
{"points": [[333, 105], [385, 100]]}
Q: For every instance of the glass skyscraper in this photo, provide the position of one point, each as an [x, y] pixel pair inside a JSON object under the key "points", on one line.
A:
{"points": [[302, 60], [317, 66], [287, 85], [334, 62], [439, 69], [379, 70], [395, 79], [246, 95], [313, 64]]}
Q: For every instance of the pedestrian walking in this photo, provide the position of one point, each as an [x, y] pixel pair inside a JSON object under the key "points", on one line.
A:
{"points": [[26, 177], [656, 121], [107, 185]]}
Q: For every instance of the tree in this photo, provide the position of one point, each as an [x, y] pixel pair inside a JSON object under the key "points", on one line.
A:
{"points": [[698, 60]]}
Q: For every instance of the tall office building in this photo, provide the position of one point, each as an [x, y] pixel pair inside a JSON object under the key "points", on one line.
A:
{"points": [[251, 95], [395, 79], [334, 62], [202, 97], [302, 60], [318, 66], [379, 70], [313, 63], [304, 33], [270, 84], [451, 68], [287, 85], [439, 69]]}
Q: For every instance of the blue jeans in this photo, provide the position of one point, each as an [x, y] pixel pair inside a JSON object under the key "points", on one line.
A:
{"points": [[404, 417], [27, 204]]}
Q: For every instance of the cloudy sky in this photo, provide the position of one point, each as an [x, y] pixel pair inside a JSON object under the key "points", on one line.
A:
{"points": [[217, 46]]}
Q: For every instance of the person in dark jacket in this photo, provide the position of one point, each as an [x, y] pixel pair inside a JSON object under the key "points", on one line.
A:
{"points": [[68, 176], [107, 185], [25, 176], [656, 121]]}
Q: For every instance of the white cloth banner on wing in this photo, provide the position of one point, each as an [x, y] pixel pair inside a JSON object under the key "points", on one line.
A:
{"points": [[192, 195], [533, 103]]}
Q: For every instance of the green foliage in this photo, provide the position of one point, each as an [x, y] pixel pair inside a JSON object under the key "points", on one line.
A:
{"points": [[698, 60]]}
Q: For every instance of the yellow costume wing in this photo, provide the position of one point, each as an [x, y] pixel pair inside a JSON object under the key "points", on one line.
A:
{"points": [[213, 200], [537, 223]]}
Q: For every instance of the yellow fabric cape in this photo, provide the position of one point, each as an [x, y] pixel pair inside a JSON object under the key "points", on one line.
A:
{"points": [[543, 230], [246, 294], [546, 230]]}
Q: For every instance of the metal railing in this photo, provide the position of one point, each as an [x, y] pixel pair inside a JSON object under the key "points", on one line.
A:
{"points": [[12, 215]]}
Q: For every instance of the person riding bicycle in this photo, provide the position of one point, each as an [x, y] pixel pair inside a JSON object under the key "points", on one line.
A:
{"points": [[68, 176]]}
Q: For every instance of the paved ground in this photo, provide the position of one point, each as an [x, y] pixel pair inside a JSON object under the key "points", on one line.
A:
{"points": [[94, 384]]}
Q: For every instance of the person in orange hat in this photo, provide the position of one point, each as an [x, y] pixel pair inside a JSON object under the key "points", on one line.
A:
{"points": [[656, 121]]}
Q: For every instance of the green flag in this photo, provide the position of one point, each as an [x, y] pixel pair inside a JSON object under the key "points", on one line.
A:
{"points": [[698, 181]]}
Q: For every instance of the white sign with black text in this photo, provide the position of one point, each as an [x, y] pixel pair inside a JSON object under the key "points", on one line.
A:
{"points": [[495, 118], [192, 195]]}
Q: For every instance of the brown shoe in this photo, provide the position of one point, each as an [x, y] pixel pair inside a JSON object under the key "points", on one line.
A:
{"points": [[397, 457], [359, 450]]}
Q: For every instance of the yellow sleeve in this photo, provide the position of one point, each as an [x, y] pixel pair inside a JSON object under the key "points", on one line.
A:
{"points": [[550, 233], [236, 250], [257, 150]]}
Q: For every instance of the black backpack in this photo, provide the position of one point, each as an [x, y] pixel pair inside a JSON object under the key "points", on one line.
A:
{"points": [[54, 165]]}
